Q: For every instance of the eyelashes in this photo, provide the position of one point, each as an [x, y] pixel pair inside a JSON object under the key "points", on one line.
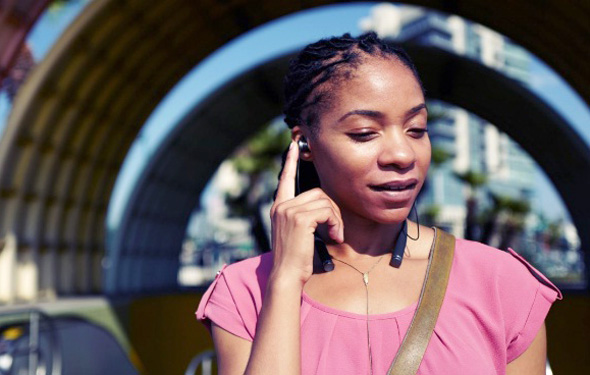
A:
{"points": [[419, 132], [369, 135], [362, 137]]}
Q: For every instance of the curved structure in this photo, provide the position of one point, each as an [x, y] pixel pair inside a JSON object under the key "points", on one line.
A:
{"points": [[79, 111], [144, 252], [166, 194]]}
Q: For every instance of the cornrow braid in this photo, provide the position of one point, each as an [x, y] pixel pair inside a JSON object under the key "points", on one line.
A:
{"points": [[328, 61]]}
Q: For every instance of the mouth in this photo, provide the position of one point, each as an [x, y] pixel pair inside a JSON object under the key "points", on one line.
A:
{"points": [[395, 185]]}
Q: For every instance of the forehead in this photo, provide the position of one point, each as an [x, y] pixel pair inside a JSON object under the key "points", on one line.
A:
{"points": [[377, 83]]}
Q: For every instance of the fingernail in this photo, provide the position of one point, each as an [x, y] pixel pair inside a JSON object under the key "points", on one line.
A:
{"points": [[291, 145], [334, 233]]}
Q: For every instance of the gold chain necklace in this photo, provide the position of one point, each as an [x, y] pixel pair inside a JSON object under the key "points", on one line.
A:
{"points": [[366, 281]]}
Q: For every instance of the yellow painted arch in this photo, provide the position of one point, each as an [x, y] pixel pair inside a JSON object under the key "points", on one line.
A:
{"points": [[74, 120]]}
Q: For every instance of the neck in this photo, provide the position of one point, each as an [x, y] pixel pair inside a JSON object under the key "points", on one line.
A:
{"points": [[365, 238]]}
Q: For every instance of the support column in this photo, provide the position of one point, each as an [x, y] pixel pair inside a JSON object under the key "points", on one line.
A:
{"points": [[8, 246]]}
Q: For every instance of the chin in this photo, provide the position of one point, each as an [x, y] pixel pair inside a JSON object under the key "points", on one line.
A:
{"points": [[390, 216]]}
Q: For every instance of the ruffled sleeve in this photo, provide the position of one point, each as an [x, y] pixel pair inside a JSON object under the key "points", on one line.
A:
{"points": [[529, 297], [221, 305]]}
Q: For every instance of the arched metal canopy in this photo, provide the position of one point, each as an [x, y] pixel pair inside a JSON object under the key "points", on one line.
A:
{"points": [[166, 193], [76, 116]]}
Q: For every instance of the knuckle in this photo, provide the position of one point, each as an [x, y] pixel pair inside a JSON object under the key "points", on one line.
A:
{"points": [[278, 210], [299, 219], [330, 211], [289, 211], [317, 192]]}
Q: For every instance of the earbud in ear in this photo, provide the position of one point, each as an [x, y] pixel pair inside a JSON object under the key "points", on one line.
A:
{"points": [[303, 146]]}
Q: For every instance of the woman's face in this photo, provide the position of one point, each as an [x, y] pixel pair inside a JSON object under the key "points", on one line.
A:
{"points": [[371, 150]]}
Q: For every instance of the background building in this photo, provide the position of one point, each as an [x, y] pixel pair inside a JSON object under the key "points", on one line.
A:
{"points": [[473, 145]]}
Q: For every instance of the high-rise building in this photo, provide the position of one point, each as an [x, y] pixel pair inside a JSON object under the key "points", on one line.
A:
{"points": [[472, 144]]}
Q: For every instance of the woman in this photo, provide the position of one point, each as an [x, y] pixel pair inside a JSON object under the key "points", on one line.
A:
{"points": [[359, 105]]}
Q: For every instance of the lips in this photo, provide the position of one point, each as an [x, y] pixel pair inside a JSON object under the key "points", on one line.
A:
{"points": [[395, 186]]}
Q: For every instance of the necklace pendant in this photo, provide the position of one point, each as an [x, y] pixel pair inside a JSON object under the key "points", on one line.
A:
{"points": [[366, 278]]}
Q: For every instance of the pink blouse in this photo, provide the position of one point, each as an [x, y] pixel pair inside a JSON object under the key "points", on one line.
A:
{"points": [[493, 309]]}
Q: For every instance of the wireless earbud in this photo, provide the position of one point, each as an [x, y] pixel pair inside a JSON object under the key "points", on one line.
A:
{"points": [[303, 146]]}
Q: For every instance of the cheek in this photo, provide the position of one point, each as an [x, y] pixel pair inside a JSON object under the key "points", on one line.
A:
{"points": [[344, 168], [348, 159], [423, 151]]}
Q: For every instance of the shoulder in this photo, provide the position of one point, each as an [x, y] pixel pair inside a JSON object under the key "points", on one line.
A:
{"points": [[251, 273], [487, 261], [234, 299], [501, 284], [495, 267], [505, 296]]}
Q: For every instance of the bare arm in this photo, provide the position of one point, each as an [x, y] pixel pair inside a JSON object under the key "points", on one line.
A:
{"points": [[276, 347], [533, 360], [232, 351]]}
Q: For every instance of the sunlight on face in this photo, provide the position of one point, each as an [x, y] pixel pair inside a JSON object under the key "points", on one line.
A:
{"points": [[372, 150]]}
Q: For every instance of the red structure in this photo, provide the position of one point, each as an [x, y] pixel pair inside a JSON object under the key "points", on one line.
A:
{"points": [[17, 17]]}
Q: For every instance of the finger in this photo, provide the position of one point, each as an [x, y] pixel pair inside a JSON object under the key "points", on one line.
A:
{"points": [[317, 194], [312, 199], [327, 216], [336, 232], [316, 214], [286, 188]]}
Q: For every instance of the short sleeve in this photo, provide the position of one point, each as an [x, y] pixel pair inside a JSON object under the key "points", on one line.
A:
{"points": [[219, 305], [532, 297]]}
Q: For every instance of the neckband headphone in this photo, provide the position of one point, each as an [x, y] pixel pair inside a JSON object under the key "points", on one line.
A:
{"points": [[320, 246]]}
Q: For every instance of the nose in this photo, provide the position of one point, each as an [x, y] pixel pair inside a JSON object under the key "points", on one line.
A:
{"points": [[396, 151]]}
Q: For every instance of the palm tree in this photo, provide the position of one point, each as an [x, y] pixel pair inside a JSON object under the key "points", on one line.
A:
{"points": [[491, 219], [474, 181], [259, 161], [517, 211], [438, 158]]}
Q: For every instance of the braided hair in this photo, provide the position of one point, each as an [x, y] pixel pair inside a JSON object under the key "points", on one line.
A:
{"points": [[319, 66]]}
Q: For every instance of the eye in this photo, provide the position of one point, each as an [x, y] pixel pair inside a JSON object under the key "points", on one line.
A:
{"points": [[362, 136], [418, 132]]}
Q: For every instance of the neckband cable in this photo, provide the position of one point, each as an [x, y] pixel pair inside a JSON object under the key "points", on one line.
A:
{"points": [[417, 224], [398, 251], [320, 246]]}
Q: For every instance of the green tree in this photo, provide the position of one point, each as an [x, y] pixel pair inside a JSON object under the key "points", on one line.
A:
{"points": [[259, 161], [439, 157], [474, 181], [517, 211]]}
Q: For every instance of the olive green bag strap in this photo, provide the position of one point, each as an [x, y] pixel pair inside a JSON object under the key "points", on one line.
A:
{"points": [[409, 356]]}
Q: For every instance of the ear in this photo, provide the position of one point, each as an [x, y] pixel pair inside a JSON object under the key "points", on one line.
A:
{"points": [[296, 134]]}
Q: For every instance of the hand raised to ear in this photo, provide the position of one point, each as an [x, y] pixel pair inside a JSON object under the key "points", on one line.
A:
{"points": [[294, 221]]}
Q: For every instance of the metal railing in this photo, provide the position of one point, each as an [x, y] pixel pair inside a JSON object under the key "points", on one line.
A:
{"points": [[26, 343], [205, 360]]}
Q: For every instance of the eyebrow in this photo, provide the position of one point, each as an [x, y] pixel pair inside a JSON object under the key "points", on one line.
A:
{"points": [[362, 112], [378, 115], [416, 109]]}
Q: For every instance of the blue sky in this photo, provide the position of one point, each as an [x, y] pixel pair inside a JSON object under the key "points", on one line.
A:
{"points": [[266, 42]]}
